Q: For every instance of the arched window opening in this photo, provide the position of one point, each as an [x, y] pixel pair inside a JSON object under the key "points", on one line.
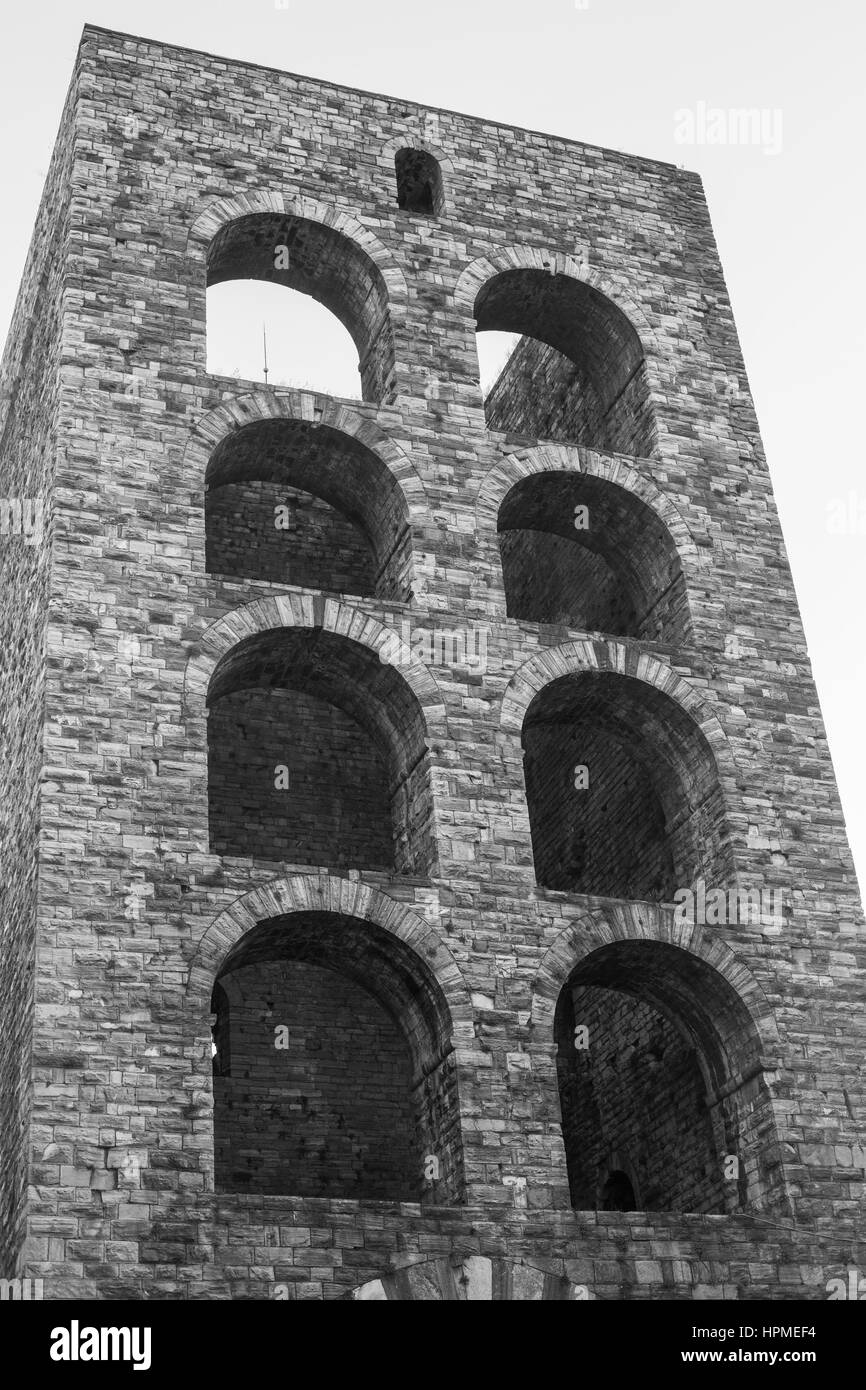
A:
{"points": [[317, 755], [660, 1063], [581, 551], [577, 374], [618, 1193], [344, 1082], [323, 263], [419, 182], [623, 792], [267, 333], [304, 504]]}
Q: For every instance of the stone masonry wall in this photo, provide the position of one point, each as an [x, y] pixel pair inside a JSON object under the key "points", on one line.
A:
{"points": [[29, 441], [579, 552], [186, 166]]}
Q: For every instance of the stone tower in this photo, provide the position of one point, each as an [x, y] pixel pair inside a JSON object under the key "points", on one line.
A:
{"points": [[423, 869]]}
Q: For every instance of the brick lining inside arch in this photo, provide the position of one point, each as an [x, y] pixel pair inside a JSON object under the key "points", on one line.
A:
{"points": [[670, 1080], [652, 817], [578, 374], [366, 1086], [350, 732], [323, 263], [621, 574], [348, 520]]}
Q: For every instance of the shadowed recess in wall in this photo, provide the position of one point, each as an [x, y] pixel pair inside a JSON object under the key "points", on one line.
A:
{"points": [[317, 755], [344, 522], [577, 375], [623, 790], [419, 182], [661, 1085], [342, 1074], [581, 551]]}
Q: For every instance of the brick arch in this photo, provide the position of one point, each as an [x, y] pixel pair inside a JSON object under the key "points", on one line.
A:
{"points": [[650, 922], [586, 367], [717, 1020], [625, 575], [411, 140], [344, 459], [623, 658], [476, 274], [355, 948], [325, 892], [657, 813], [504, 474], [310, 611], [224, 210], [332, 258], [230, 415], [616, 1161], [261, 665]]}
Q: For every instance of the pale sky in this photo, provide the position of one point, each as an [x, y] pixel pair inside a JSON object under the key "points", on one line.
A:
{"points": [[788, 210]]}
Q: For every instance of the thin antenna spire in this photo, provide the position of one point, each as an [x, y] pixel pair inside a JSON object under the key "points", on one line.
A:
{"points": [[265, 345]]}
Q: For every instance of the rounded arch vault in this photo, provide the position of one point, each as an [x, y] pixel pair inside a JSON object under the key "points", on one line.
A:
{"points": [[340, 1045], [579, 373], [665, 1047], [587, 541], [623, 766]]}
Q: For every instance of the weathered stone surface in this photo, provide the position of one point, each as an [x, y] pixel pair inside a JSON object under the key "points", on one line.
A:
{"points": [[440, 602]]}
